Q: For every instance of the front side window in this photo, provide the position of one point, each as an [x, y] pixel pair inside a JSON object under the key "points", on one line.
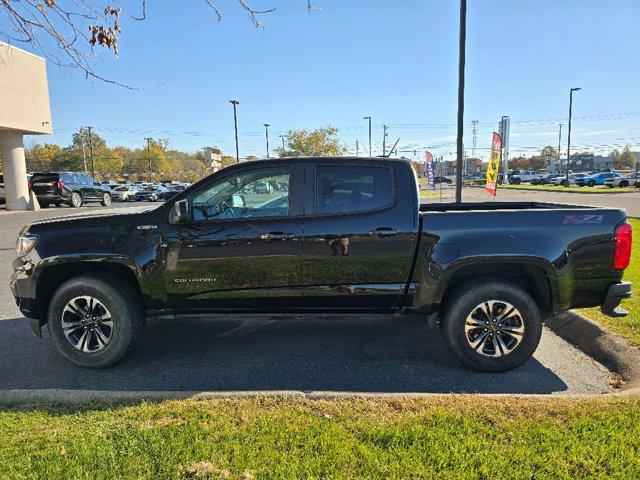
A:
{"points": [[347, 189], [253, 194]]}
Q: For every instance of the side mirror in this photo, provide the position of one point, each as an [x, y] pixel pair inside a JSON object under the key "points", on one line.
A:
{"points": [[179, 212]]}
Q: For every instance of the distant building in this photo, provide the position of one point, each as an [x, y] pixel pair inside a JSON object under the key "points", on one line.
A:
{"points": [[213, 157], [588, 161]]}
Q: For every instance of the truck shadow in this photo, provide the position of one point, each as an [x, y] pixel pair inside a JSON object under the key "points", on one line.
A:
{"points": [[386, 354]]}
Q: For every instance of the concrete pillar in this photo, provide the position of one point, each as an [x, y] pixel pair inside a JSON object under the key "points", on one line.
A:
{"points": [[16, 190]]}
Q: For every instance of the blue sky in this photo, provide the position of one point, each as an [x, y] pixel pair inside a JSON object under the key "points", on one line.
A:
{"points": [[395, 61]]}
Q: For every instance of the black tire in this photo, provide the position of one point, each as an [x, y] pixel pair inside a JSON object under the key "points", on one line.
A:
{"points": [[591, 183], [564, 183], [75, 200], [516, 181], [106, 200], [464, 301], [44, 204], [124, 306], [623, 184]]}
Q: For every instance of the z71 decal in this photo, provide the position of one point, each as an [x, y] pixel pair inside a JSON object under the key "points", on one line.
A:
{"points": [[582, 219]]}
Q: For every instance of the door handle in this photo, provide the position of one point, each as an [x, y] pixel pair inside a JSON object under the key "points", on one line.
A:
{"points": [[277, 236], [384, 231]]}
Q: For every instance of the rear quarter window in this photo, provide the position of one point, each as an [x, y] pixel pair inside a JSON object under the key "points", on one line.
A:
{"points": [[351, 189]]}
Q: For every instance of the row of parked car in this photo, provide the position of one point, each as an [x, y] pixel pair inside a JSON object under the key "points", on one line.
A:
{"points": [[589, 179], [75, 189]]}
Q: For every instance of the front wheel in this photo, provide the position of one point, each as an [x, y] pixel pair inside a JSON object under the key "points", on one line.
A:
{"points": [[492, 326], [95, 320], [106, 200], [591, 183], [623, 184]]}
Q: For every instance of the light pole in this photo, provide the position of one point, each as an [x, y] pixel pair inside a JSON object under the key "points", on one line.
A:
{"points": [[266, 134], [575, 89], [235, 124], [369, 118], [559, 144], [461, 62], [282, 138]]}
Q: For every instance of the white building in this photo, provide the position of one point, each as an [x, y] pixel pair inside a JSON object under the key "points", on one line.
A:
{"points": [[24, 110]]}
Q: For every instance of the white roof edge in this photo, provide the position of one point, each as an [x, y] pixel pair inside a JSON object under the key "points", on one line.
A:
{"points": [[9, 46]]}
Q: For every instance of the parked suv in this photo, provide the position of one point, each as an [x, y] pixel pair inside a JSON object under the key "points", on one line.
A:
{"points": [[69, 188]]}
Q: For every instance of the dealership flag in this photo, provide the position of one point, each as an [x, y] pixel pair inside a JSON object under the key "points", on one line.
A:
{"points": [[494, 164], [430, 170]]}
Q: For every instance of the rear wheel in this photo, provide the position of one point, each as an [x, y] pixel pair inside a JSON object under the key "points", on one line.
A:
{"points": [[492, 326], [106, 200], [623, 184], [44, 204], [591, 183], [564, 183], [75, 200], [95, 320]]}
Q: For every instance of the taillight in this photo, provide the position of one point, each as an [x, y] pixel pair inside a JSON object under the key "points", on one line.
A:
{"points": [[59, 185], [29, 185], [622, 247]]}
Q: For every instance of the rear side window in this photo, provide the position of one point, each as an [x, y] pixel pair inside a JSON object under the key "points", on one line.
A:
{"points": [[44, 178], [349, 189]]}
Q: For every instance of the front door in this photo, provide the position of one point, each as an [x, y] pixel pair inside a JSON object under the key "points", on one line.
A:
{"points": [[358, 234], [243, 248]]}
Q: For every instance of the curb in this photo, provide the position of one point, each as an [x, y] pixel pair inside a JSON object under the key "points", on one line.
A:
{"points": [[84, 397], [601, 344]]}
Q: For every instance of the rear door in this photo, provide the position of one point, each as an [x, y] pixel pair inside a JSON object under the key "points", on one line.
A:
{"points": [[359, 229]]}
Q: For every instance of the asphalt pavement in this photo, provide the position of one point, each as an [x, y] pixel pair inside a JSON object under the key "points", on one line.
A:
{"points": [[328, 353]]}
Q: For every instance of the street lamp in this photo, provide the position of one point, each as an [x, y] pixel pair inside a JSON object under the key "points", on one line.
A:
{"points": [[369, 118], [575, 89], [266, 133], [235, 124]]}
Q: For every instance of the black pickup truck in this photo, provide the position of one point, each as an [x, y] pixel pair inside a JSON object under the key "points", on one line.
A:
{"points": [[315, 235]]}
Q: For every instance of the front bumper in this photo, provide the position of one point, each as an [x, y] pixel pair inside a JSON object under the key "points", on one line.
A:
{"points": [[616, 293], [23, 291]]}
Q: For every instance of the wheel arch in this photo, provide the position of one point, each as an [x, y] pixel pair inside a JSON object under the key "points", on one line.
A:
{"points": [[530, 276], [50, 278]]}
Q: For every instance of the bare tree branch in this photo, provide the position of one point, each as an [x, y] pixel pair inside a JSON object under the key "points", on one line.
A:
{"points": [[71, 25]]}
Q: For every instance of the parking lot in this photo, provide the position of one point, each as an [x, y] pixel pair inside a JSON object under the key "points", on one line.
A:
{"points": [[322, 353]]}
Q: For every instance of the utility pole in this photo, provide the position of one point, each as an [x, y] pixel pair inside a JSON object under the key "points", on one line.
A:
{"points": [[93, 171], [357, 149], [461, 62], [506, 125], [84, 156], [559, 144], [235, 124], [575, 89], [384, 140], [282, 138], [266, 130], [369, 118], [149, 157], [475, 137]]}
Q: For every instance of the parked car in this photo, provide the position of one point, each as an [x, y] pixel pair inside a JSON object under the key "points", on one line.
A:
{"points": [[562, 179], [125, 193], [150, 193], [630, 179], [596, 179], [68, 188], [525, 176], [348, 235], [441, 179]]}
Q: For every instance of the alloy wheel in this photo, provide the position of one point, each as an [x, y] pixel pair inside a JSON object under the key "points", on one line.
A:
{"points": [[87, 324], [494, 328]]}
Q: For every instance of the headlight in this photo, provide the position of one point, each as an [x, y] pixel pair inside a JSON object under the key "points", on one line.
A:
{"points": [[25, 244]]}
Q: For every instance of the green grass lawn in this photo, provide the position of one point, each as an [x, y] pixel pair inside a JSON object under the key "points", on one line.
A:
{"points": [[629, 326], [446, 437], [554, 188]]}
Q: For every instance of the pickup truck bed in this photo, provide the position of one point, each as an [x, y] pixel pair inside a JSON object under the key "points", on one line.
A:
{"points": [[310, 235]]}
